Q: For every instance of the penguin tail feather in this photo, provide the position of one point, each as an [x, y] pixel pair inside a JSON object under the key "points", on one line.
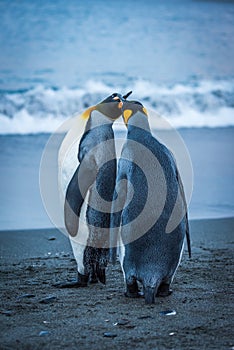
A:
{"points": [[149, 294], [113, 255], [101, 274]]}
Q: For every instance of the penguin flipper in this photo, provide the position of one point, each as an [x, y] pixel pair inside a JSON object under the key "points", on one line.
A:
{"points": [[75, 195], [187, 233]]}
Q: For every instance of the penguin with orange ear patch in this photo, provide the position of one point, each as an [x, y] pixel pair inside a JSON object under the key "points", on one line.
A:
{"points": [[92, 185], [152, 223]]}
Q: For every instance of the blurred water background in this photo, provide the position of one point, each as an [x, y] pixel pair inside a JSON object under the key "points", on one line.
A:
{"points": [[57, 58]]}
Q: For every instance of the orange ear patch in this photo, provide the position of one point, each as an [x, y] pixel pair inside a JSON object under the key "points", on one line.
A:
{"points": [[120, 105]]}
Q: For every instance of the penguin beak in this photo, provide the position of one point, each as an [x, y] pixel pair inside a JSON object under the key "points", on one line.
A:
{"points": [[128, 94]]}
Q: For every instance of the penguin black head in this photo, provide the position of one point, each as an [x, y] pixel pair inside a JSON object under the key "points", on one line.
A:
{"points": [[111, 107], [131, 107]]}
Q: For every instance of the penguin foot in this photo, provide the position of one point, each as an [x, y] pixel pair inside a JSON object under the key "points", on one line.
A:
{"points": [[72, 284], [82, 281], [133, 291], [101, 274], [93, 278], [134, 295], [93, 281], [164, 290]]}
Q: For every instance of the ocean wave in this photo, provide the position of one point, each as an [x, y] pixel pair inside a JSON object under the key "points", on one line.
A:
{"points": [[43, 109]]}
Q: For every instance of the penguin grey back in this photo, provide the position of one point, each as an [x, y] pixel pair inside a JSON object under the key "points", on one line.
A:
{"points": [[152, 245]]}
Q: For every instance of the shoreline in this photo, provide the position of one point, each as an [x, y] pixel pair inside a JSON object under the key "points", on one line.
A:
{"points": [[19, 244], [202, 299]]}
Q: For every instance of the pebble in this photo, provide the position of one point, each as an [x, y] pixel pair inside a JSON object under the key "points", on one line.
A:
{"points": [[31, 283], [122, 322], [109, 335], [42, 333], [26, 296], [144, 317], [48, 300], [6, 312], [168, 312]]}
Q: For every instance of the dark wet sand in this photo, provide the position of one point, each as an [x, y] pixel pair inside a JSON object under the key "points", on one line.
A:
{"points": [[78, 318]]}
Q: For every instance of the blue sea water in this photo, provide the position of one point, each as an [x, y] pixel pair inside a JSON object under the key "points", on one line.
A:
{"points": [[57, 58]]}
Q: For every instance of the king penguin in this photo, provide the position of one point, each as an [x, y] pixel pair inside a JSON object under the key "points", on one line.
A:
{"points": [[149, 229], [91, 185]]}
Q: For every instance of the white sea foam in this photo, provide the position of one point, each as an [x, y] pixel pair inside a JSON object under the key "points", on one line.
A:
{"points": [[24, 123], [42, 109]]}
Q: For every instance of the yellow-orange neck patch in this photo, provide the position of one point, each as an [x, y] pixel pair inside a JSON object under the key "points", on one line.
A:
{"points": [[86, 114], [145, 111], [126, 115]]}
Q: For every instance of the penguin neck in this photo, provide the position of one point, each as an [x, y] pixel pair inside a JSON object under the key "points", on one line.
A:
{"points": [[138, 120], [97, 119]]}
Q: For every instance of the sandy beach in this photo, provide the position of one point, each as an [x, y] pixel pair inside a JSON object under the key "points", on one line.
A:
{"points": [[36, 315]]}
